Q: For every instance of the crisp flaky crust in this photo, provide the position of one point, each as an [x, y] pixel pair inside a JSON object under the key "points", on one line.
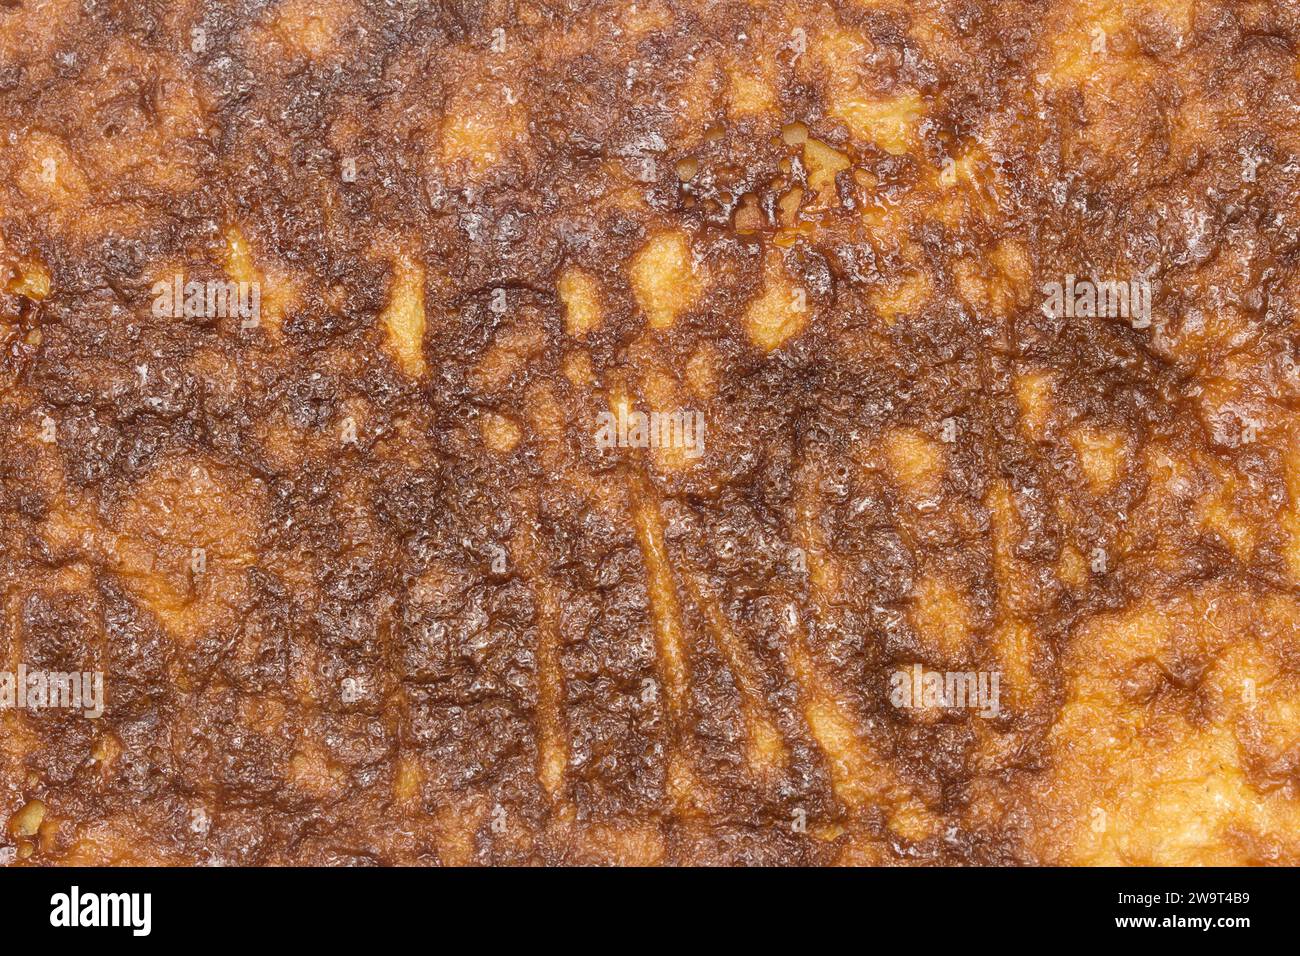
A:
{"points": [[363, 581]]}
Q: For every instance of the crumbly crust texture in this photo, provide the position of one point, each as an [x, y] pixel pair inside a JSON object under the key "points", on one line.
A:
{"points": [[365, 587]]}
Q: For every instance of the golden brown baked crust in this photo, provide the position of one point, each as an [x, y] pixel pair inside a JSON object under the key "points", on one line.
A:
{"points": [[365, 588]]}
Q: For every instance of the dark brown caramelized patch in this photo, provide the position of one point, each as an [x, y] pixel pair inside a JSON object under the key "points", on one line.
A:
{"points": [[577, 432]]}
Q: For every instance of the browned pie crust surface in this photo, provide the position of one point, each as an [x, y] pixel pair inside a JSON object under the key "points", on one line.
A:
{"points": [[365, 588]]}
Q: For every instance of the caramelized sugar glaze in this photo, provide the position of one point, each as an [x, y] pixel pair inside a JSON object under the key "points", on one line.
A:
{"points": [[365, 588]]}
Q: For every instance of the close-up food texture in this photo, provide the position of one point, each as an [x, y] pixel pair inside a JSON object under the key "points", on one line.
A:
{"points": [[442, 432]]}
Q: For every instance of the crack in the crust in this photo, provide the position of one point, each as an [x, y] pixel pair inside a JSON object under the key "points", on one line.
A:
{"points": [[552, 742], [855, 777], [552, 756], [768, 751], [684, 788], [662, 593]]}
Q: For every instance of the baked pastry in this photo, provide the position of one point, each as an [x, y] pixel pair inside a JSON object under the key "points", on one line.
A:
{"points": [[665, 431]]}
